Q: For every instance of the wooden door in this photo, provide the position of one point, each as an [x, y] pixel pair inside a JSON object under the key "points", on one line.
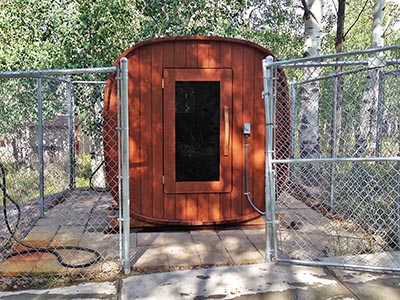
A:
{"points": [[197, 130]]}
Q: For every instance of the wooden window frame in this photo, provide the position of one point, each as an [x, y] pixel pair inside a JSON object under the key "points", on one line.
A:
{"points": [[224, 184]]}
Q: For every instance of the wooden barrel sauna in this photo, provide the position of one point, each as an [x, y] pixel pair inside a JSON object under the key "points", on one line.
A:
{"points": [[189, 98]]}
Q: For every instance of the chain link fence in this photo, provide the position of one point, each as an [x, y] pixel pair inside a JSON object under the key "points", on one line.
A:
{"points": [[337, 199], [58, 219]]}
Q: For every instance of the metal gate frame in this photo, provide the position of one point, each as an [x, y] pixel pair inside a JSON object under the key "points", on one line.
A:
{"points": [[270, 70], [122, 128]]}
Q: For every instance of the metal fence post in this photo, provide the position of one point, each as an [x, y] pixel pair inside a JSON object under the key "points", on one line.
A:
{"points": [[293, 100], [270, 243], [71, 133], [40, 145], [334, 139], [125, 166], [398, 201]]}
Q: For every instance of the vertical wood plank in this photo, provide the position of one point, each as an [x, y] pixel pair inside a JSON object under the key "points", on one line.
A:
{"points": [[168, 62], [224, 59], [259, 135], [237, 192], [226, 206], [179, 54], [248, 107], [214, 208], [157, 130], [180, 207], [145, 130], [203, 207], [203, 51], [215, 55], [226, 54], [191, 54], [169, 206], [134, 135], [191, 207]]}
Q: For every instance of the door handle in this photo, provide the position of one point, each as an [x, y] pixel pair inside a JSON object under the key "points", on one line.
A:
{"points": [[226, 130]]}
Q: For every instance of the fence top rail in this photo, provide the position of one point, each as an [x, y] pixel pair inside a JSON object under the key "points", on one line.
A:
{"points": [[56, 72], [335, 159], [318, 59]]}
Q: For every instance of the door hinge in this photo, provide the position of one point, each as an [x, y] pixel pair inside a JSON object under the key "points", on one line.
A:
{"points": [[162, 83], [163, 179]]}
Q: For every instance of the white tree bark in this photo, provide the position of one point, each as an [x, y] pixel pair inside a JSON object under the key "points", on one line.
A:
{"points": [[367, 129], [308, 131]]}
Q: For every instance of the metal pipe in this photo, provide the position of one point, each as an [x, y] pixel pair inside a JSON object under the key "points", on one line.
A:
{"points": [[71, 133], [89, 82], [321, 58], [269, 197], [398, 200], [293, 100], [118, 130], [337, 265], [272, 176], [246, 192], [338, 159], [125, 165], [316, 64], [333, 75], [40, 145], [334, 138], [56, 72]]}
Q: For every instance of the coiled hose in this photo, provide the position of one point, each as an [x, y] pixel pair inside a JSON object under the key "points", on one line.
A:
{"points": [[34, 249]]}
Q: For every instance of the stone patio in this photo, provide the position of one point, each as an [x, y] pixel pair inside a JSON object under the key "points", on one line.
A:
{"points": [[81, 220]]}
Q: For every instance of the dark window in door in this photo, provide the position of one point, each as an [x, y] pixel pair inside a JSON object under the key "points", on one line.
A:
{"points": [[197, 125], [197, 119]]}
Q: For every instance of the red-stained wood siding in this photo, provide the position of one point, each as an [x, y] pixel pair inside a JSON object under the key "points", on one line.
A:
{"points": [[146, 109]]}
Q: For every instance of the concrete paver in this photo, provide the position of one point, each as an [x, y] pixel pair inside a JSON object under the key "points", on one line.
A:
{"points": [[256, 281], [197, 248], [155, 258], [214, 254], [102, 290], [150, 239], [183, 255], [370, 286], [232, 283]]}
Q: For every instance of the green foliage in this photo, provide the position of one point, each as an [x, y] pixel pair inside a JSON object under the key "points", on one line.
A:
{"points": [[83, 166], [358, 26], [274, 25], [22, 183], [43, 34], [83, 170]]}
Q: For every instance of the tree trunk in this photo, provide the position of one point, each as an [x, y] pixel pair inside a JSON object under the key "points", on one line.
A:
{"points": [[308, 131], [366, 131], [337, 105]]}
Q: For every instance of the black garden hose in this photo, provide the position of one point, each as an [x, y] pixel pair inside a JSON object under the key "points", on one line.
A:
{"points": [[33, 249], [91, 179], [5, 198], [55, 251]]}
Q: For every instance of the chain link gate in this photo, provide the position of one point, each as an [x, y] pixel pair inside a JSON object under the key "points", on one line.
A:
{"points": [[333, 198], [58, 219]]}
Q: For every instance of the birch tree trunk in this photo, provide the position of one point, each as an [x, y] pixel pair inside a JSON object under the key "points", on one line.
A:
{"points": [[308, 131], [366, 131]]}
